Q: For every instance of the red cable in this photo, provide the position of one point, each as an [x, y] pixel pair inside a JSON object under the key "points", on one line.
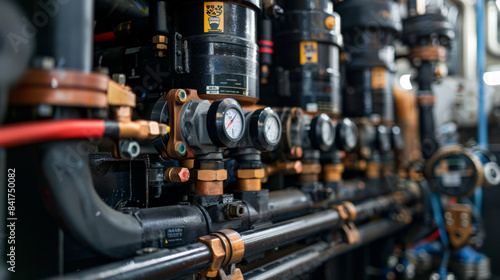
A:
{"points": [[19, 134], [103, 37]]}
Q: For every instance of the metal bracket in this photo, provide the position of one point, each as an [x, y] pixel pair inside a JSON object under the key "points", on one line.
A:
{"points": [[181, 55]]}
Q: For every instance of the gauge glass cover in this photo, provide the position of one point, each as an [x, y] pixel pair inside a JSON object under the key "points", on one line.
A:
{"points": [[271, 131], [233, 123]]}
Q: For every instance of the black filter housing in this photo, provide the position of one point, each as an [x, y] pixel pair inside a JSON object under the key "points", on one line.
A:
{"points": [[369, 29], [307, 54], [216, 49]]}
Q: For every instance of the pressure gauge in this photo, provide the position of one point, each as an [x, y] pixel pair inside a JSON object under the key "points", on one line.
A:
{"points": [[265, 129], [225, 123], [322, 132], [454, 171], [383, 139], [347, 135]]}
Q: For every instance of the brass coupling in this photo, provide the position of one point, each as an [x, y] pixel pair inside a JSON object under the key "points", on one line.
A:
{"points": [[333, 172], [347, 211], [209, 182], [142, 129], [350, 233], [250, 179], [226, 247]]}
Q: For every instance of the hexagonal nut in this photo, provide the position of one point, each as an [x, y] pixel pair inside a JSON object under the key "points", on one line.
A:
{"points": [[218, 253], [210, 175], [160, 39], [129, 149], [154, 129], [250, 173]]}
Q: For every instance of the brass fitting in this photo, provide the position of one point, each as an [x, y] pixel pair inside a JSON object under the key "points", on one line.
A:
{"points": [[160, 45], [142, 129], [373, 170], [347, 211], [350, 233], [311, 168], [333, 172], [250, 179], [226, 247], [120, 95], [209, 175]]}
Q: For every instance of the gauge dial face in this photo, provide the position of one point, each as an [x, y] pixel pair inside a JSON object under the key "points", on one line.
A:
{"points": [[327, 133], [271, 129], [233, 123], [351, 137]]}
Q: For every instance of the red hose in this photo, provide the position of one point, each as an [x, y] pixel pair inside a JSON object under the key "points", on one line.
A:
{"points": [[19, 134], [103, 37]]}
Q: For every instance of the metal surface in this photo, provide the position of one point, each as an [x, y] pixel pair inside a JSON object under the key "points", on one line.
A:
{"points": [[164, 264], [289, 231], [313, 256]]}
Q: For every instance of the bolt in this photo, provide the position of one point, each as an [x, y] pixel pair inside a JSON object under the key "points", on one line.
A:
{"points": [[181, 96], [180, 148], [177, 174], [130, 149], [179, 68], [44, 110], [178, 36], [235, 211], [296, 152], [179, 53], [119, 78], [44, 62]]}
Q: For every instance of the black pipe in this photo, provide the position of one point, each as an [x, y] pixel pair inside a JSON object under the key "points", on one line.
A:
{"points": [[118, 11], [72, 199], [313, 256], [63, 30], [286, 232], [289, 203], [164, 264], [256, 241]]}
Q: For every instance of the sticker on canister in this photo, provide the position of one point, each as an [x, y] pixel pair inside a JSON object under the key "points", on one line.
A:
{"points": [[308, 52], [214, 17], [378, 77]]}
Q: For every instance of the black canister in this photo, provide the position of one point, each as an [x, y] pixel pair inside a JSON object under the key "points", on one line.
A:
{"points": [[307, 49], [216, 49]]}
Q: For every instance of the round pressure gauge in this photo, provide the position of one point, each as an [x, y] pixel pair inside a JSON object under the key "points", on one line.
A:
{"points": [[454, 171], [383, 139], [265, 129], [225, 123], [322, 132], [347, 135]]}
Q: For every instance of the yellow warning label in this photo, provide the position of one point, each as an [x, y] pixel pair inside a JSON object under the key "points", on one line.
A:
{"points": [[308, 52], [378, 77], [214, 17]]}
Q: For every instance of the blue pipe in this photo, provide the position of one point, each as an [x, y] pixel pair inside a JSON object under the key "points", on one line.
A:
{"points": [[481, 61], [482, 116]]}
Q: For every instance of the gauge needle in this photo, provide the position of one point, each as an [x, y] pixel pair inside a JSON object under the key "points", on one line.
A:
{"points": [[231, 121]]}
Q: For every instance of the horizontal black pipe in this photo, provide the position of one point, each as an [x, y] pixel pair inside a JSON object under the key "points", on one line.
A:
{"points": [[292, 203], [313, 256], [256, 241], [162, 264], [289, 203]]}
